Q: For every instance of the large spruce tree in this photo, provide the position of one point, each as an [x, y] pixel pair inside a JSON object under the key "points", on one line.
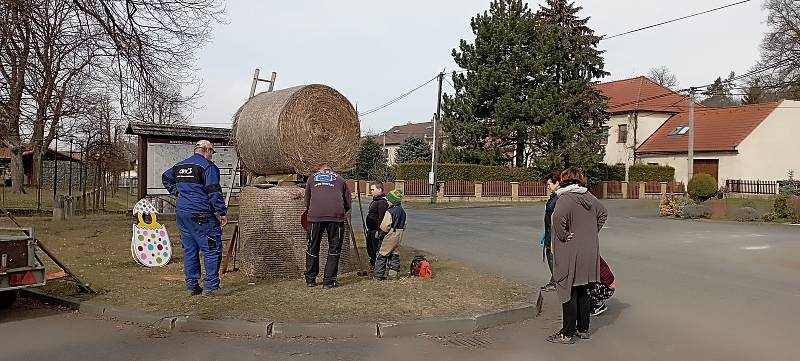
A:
{"points": [[527, 89], [489, 114]]}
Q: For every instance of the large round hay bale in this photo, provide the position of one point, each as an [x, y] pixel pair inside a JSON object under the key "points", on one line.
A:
{"points": [[297, 130], [272, 241]]}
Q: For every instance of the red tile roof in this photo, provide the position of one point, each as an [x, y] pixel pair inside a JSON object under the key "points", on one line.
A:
{"points": [[716, 129], [5, 153], [641, 93]]}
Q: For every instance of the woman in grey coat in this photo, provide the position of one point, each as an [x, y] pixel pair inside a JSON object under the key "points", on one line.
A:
{"points": [[576, 263]]}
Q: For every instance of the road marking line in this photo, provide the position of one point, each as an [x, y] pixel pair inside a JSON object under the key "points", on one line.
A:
{"points": [[755, 248]]}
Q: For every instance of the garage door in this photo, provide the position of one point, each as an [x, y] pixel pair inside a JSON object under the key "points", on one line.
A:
{"points": [[707, 166]]}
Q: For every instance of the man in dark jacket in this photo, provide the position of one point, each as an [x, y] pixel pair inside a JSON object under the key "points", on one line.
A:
{"points": [[327, 202], [377, 209], [552, 180], [195, 181]]}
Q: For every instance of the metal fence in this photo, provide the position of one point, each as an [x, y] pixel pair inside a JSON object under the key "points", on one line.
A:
{"points": [[751, 186], [497, 189], [459, 188]]}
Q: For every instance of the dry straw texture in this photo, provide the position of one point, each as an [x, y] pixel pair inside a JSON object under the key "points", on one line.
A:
{"points": [[273, 243], [297, 130]]}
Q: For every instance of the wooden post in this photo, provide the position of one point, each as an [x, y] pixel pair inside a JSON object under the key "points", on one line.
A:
{"points": [[58, 208], [515, 191]]}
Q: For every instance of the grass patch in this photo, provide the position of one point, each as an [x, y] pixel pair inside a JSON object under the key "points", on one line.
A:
{"points": [[722, 209], [98, 250]]}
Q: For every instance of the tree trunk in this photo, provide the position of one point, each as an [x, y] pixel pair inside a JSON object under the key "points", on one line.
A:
{"points": [[36, 174], [17, 171], [520, 154]]}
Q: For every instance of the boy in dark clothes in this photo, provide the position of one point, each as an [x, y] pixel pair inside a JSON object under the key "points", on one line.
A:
{"points": [[393, 227], [552, 180], [377, 209], [601, 291]]}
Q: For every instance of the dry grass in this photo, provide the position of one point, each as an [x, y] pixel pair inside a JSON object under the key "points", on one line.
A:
{"points": [[98, 249]]}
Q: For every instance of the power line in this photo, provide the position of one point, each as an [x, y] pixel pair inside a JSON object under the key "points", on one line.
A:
{"points": [[395, 100], [674, 20]]}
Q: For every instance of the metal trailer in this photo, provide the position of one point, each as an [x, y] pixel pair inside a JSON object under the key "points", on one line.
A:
{"points": [[20, 267]]}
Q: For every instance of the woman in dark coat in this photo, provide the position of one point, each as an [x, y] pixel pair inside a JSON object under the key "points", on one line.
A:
{"points": [[577, 258]]}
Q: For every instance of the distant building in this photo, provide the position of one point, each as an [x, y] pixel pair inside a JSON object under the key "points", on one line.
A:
{"points": [[394, 137]]}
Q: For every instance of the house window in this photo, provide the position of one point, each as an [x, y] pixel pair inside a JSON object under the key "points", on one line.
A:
{"points": [[604, 140], [622, 136], [680, 130], [652, 163]]}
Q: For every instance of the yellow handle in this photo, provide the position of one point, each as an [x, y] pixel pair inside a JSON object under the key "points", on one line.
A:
{"points": [[153, 224]]}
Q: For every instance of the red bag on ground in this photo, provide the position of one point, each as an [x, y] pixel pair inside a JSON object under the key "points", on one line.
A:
{"points": [[420, 267]]}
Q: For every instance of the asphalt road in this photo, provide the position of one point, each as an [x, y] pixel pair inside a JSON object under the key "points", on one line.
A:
{"points": [[686, 291]]}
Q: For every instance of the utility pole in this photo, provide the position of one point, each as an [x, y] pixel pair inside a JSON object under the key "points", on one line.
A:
{"points": [[691, 134], [271, 82], [70, 165], [435, 152]]}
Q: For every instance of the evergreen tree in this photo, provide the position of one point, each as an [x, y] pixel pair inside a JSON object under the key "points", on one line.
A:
{"points": [[528, 89], [489, 115], [755, 93], [371, 162], [718, 93], [569, 112], [413, 149]]}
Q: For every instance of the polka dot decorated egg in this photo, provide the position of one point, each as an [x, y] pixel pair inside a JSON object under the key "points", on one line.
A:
{"points": [[151, 247], [144, 206]]}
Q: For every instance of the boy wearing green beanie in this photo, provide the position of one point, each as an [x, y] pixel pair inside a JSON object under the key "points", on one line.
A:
{"points": [[393, 226]]}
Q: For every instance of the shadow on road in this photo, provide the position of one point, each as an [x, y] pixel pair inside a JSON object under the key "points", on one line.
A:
{"points": [[615, 309]]}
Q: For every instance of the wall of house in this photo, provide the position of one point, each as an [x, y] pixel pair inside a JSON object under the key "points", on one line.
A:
{"points": [[622, 153], [773, 149], [730, 166]]}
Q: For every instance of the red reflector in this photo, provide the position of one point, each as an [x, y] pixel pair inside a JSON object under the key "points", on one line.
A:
{"points": [[19, 279]]}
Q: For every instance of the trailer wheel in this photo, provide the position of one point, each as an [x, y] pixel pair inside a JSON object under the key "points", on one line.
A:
{"points": [[7, 298]]}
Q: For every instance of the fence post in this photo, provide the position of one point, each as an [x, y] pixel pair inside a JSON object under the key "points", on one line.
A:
{"points": [[400, 184], [624, 190], [515, 191], [478, 190], [58, 209], [642, 189], [605, 189], [664, 189]]}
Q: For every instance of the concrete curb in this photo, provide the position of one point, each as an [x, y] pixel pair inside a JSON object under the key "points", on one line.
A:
{"points": [[382, 329], [339, 330]]}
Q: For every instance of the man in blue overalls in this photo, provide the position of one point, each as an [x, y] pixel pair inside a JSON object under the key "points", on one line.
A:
{"points": [[195, 181]]}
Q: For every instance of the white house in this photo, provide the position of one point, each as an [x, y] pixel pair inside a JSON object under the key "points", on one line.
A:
{"points": [[750, 142], [638, 107]]}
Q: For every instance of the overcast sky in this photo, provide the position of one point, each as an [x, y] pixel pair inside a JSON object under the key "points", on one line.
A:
{"points": [[373, 51]]}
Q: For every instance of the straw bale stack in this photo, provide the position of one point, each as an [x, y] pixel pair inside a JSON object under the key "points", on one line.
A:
{"points": [[272, 241]]}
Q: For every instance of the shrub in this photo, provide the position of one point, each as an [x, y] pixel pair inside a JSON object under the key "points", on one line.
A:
{"points": [[794, 207], [769, 217], [468, 172], [679, 204], [695, 211], [702, 187], [790, 185], [650, 173], [781, 206], [745, 214], [666, 208], [613, 172]]}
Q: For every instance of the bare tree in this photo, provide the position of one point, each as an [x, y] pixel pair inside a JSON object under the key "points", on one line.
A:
{"points": [[662, 75], [779, 67], [165, 106], [15, 51]]}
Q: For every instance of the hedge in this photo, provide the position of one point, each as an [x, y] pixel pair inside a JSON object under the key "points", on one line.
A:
{"points": [[468, 172], [650, 173], [614, 172]]}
